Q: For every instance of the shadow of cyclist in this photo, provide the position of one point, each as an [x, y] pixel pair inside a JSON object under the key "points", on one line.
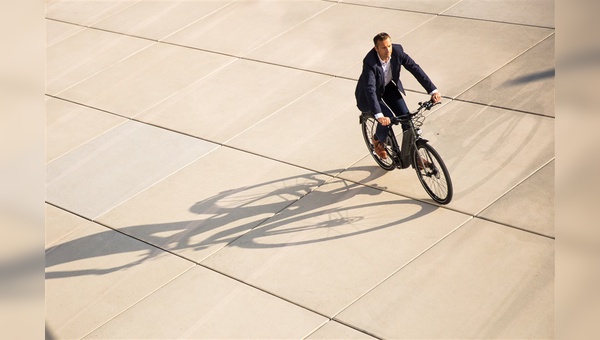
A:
{"points": [[306, 202]]}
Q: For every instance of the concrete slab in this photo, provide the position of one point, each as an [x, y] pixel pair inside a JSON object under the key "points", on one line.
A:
{"points": [[484, 281], [525, 84], [57, 31], [206, 305], [210, 203], [293, 252], [319, 46], [159, 19], [335, 330], [231, 100], [140, 82], [85, 12], [526, 12], [334, 245], [319, 131], [529, 206], [456, 62], [243, 26], [85, 53], [487, 150], [425, 6], [116, 166], [69, 126], [59, 224], [94, 274]]}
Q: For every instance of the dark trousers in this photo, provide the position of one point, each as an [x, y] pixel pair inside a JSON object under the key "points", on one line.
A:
{"points": [[395, 102]]}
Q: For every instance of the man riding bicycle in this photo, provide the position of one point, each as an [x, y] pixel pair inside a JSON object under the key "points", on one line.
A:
{"points": [[379, 89]]}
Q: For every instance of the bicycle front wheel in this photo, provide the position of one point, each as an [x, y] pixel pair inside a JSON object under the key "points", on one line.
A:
{"points": [[368, 125], [432, 173]]}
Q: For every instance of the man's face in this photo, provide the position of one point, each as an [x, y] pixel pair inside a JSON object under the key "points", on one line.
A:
{"points": [[384, 49]]}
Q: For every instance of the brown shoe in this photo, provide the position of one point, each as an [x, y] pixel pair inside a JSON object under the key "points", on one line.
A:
{"points": [[423, 162], [379, 149]]}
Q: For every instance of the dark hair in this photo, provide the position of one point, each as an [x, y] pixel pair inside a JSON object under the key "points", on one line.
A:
{"points": [[380, 37]]}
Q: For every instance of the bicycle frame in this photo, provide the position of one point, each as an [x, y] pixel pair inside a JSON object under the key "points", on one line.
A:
{"points": [[415, 151], [410, 137]]}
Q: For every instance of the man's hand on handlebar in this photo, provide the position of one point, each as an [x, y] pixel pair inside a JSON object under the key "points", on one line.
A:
{"points": [[384, 121], [436, 97]]}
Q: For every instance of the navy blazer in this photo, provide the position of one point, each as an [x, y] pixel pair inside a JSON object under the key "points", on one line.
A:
{"points": [[370, 86]]}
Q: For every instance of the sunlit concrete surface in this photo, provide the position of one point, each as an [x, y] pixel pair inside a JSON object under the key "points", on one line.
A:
{"points": [[207, 176]]}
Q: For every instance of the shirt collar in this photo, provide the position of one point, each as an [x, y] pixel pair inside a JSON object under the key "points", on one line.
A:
{"points": [[381, 61]]}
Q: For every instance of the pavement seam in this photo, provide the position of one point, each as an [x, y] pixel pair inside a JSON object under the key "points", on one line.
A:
{"points": [[477, 214], [504, 108], [278, 110], [345, 324], [451, 6], [140, 300], [247, 284], [441, 14], [93, 220], [497, 21], [514, 186], [149, 186], [375, 186], [215, 71], [515, 227], [113, 14], [502, 66], [122, 34], [290, 28], [395, 9], [103, 69], [469, 219], [266, 220], [91, 139], [195, 263], [197, 20], [65, 37], [369, 333]]}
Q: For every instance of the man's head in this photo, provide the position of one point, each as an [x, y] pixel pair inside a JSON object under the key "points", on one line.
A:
{"points": [[383, 45]]}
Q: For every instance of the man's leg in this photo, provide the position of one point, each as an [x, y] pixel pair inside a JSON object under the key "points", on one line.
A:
{"points": [[396, 102], [392, 99], [381, 132]]}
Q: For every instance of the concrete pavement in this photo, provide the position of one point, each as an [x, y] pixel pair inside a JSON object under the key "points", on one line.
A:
{"points": [[207, 177]]}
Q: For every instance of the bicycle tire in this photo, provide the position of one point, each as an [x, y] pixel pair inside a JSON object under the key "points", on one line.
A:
{"points": [[368, 126], [434, 176]]}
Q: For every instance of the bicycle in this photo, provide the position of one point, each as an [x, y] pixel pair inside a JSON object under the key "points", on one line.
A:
{"points": [[415, 152]]}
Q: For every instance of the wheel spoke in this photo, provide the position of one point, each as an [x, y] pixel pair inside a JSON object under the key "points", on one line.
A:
{"points": [[433, 175], [369, 126]]}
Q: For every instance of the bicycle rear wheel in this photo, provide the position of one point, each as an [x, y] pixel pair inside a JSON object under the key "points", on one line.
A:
{"points": [[432, 173], [368, 125]]}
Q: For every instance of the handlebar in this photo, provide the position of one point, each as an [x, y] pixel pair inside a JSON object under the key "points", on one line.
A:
{"points": [[422, 106], [427, 105]]}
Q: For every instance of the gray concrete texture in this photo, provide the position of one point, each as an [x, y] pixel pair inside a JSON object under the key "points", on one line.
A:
{"points": [[207, 176]]}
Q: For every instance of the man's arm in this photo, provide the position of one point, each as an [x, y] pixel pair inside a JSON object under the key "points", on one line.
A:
{"points": [[411, 66], [370, 88]]}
